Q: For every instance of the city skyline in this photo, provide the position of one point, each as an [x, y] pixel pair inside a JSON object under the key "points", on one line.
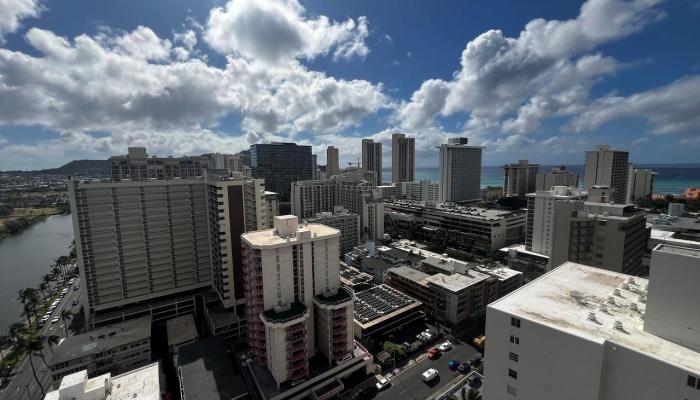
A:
{"points": [[191, 81]]}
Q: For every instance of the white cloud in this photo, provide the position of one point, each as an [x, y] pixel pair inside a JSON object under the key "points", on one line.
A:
{"points": [[670, 109], [13, 11], [137, 87], [280, 30], [510, 84]]}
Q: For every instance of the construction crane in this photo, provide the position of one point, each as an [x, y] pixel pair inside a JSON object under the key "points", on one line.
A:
{"points": [[350, 163]]}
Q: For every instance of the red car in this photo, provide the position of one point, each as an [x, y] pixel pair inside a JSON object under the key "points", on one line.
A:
{"points": [[434, 353]]}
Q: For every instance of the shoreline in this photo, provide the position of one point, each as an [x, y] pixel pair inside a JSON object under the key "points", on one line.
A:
{"points": [[24, 222]]}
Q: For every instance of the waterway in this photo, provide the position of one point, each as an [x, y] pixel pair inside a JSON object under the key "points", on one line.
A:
{"points": [[26, 257]]}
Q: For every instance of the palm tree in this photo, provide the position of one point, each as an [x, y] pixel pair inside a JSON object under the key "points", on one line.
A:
{"points": [[16, 331], [4, 338], [65, 314], [56, 273], [50, 340], [29, 298], [32, 345], [44, 289]]}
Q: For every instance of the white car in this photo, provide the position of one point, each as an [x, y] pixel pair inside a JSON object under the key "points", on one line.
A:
{"points": [[383, 383], [445, 346], [430, 374], [55, 319]]}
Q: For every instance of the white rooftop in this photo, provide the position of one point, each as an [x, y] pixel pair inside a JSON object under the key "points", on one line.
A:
{"points": [[457, 282], [565, 297], [141, 383], [303, 233], [502, 273]]}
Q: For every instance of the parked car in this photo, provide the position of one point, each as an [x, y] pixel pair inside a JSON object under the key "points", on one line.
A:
{"points": [[55, 319], [463, 368], [475, 361], [453, 364], [434, 353], [41, 323], [430, 374], [383, 383], [76, 287], [474, 380], [444, 346]]}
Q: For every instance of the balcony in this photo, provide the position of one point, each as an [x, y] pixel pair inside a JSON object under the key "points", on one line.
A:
{"points": [[299, 355], [302, 373], [296, 328], [296, 346]]}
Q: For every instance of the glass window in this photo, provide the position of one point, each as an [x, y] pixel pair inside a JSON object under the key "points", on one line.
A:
{"points": [[512, 373]]}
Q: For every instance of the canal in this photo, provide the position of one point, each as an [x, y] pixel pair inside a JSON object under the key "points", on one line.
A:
{"points": [[26, 257]]}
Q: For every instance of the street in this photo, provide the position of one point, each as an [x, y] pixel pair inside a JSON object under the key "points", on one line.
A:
{"points": [[409, 383], [22, 384]]}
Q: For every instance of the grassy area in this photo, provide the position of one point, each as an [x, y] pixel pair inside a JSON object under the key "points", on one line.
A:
{"points": [[22, 218]]}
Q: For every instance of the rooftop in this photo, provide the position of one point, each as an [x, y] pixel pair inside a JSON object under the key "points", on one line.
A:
{"points": [[502, 273], [141, 383], [207, 372], [410, 274], [400, 254], [381, 302], [305, 232], [457, 282], [181, 329], [566, 298], [472, 211], [102, 339], [375, 263], [341, 296]]}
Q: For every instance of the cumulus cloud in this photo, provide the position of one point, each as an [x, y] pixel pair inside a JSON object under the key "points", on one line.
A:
{"points": [[511, 84], [13, 11], [280, 30], [670, 109]]}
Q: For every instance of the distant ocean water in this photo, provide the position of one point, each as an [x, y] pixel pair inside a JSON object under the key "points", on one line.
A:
{"points": [[670, 178]]}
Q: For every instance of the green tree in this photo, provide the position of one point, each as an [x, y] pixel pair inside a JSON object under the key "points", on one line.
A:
{"points": [[29, 297], [16, 331]]}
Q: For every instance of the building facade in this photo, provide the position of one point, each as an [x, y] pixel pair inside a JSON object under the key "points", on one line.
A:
{"points": [[136, 165], [641, 185], [346, 222], [558, 176], [372, 158], [280, 164], [425, 190], [541, 208], [314, 196], [519, 179], [332, 161], [606, 167], [585, 333], [403, 158], [460, 170], [294, 303]]}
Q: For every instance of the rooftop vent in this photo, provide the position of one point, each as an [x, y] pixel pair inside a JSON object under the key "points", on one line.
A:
{"points": [[611, 300], [626, 286], [618, 325], [631, 281], [634, 307], [603, 309], [617, 292], [591, 317], [642, 298]]}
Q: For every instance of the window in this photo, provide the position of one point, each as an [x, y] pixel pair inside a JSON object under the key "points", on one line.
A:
{"points": [[514, 339], [511, 390], [515, 322], [512, 373], [513, 356], [691, 380]]}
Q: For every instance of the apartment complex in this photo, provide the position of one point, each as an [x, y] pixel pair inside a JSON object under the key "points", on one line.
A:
{"points": [[136, 165], [641, 184], [332, 161], [558, 176], [140, 240], [346, 222], [294, 303], [403, 158], [541, 209], [460, 170], [580, 332], [519, 179], [112, 349], [372, 159], [230, 162], [606, 167], [280, 164], [314, 196], [482, 229], [425, 190]]}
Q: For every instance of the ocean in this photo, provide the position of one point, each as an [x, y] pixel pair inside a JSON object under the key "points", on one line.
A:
{"points": [[670, 178]]}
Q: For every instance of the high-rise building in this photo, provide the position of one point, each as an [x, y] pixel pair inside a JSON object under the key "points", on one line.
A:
{"points": [[585, 333], [563, 226], [558, 176], [606, 167], [641, 184], [460, 170], [372, 158], [332, 161], [280, 164], [137, 165], [295, 305], [403, 158], [314, 196], [236, 205], [424, 190], [519, 179], [139, 240], [346, 222]]}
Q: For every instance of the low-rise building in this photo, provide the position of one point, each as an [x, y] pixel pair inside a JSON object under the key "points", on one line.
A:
{"points": [[477, 228], [141, 383], [558, 176], [181, 331], [424, 190], [491, 193], [381, 310], [112, 349], [354, 279], [583, 333], [519, 258]]}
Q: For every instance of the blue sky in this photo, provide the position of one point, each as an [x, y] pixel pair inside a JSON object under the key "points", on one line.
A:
{"points": [[536, 80]]}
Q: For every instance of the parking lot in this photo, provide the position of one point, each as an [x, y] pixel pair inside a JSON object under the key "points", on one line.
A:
{"points": [[408, 384]]}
